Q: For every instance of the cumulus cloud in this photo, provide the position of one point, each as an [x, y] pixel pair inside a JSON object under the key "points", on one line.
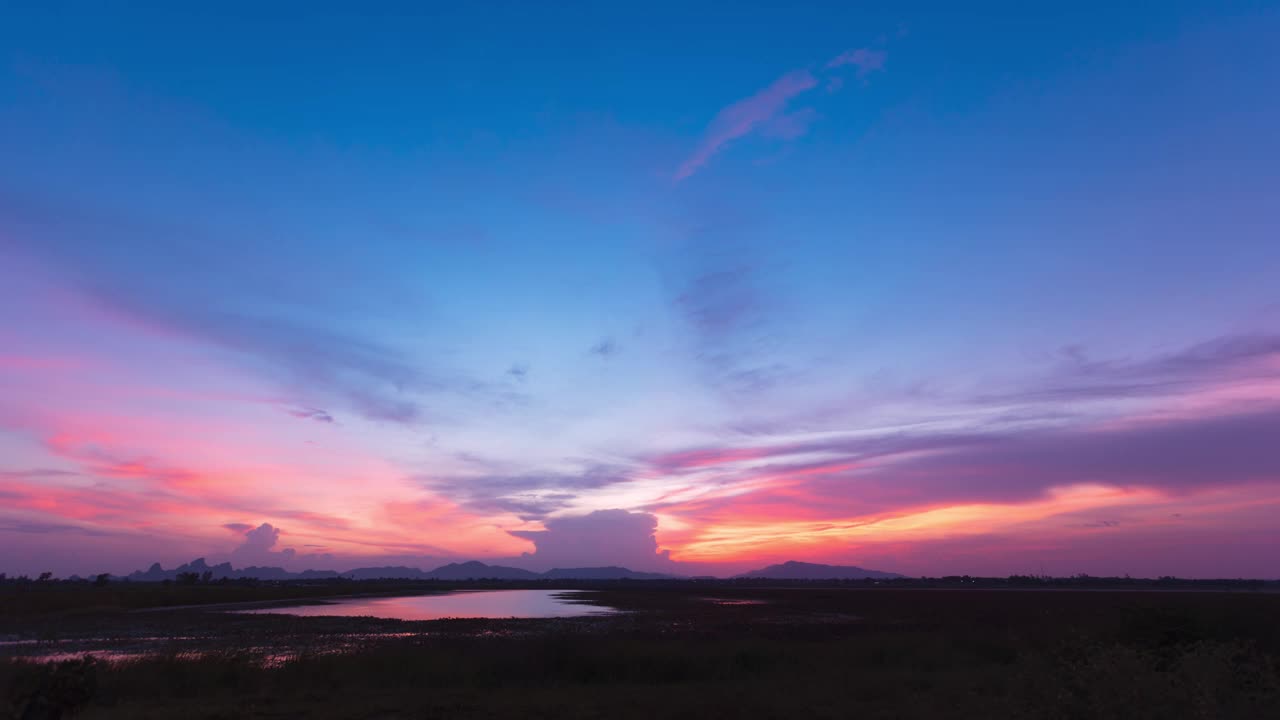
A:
{"points": [[263, 537], [601, 538], [258, 547]]}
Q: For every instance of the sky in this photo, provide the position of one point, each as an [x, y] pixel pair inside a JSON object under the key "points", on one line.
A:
{"points": [[687, 287]]}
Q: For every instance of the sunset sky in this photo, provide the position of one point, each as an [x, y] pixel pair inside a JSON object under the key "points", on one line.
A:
{"points": [[691, 289]]}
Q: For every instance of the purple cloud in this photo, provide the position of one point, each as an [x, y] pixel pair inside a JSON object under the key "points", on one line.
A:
{"points": [[531, 496], [259, 545], [601, 538], [894, 472], [1232, 357], [263, 537], [789, 126], [35, 474], [44, 528], [311, 414], [1184, 449]]}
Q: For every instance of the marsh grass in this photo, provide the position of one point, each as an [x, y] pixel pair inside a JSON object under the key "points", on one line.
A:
{"points": [[916, 654]]}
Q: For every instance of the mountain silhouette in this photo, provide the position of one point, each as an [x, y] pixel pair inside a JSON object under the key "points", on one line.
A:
{"points": [[391, 571], [198, 566], [793, 570], [470, 570], [475, 570], [611, 572]]}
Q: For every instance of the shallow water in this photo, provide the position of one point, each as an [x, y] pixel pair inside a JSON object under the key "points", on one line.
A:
{"points": [[498, 604], [495, 604]]}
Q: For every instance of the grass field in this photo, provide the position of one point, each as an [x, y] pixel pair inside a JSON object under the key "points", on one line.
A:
{"points": [[703, 652]]}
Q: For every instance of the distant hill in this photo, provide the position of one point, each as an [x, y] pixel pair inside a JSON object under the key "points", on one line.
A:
{"points": [[471, 570], [602, 573], [198, 566], [475, 570], [392, 571], [793, 570], [316, 574]]}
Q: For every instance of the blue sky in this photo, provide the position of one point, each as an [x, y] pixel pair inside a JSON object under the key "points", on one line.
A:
{"points": [[518, 255]]}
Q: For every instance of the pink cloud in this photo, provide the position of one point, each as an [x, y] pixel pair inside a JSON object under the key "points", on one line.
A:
{"points": [[790, 126], [765, 111], [746, 116], [708, 457], [865, 59]]}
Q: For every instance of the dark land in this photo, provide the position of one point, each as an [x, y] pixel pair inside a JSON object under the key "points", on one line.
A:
{"points": [[742, 648]]}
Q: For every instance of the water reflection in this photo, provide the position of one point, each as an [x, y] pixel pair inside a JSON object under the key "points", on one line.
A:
{"points": [[461, 604]]}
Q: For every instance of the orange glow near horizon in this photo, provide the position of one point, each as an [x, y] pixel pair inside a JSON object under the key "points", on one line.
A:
{"points": [[112, 451], [737, 538]]}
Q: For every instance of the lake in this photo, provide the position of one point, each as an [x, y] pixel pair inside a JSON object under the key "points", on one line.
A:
{"points": [[460, 604]]}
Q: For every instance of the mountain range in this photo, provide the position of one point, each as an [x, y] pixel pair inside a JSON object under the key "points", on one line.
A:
{"points": [[475, 570], [471, 570]]}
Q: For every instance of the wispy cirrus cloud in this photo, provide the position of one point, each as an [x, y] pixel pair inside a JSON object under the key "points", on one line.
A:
{"points": [[1188, 439], [736, 318], [745, 116], [374, 380], [1240, 358], [766, 111], [606, 348], [528, 495], [519, 372], [865, 59], [35, 474], [309, 413], [268, 324]]}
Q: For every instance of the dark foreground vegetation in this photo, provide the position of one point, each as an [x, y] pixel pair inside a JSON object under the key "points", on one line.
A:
{"points": [[725, 650]]}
